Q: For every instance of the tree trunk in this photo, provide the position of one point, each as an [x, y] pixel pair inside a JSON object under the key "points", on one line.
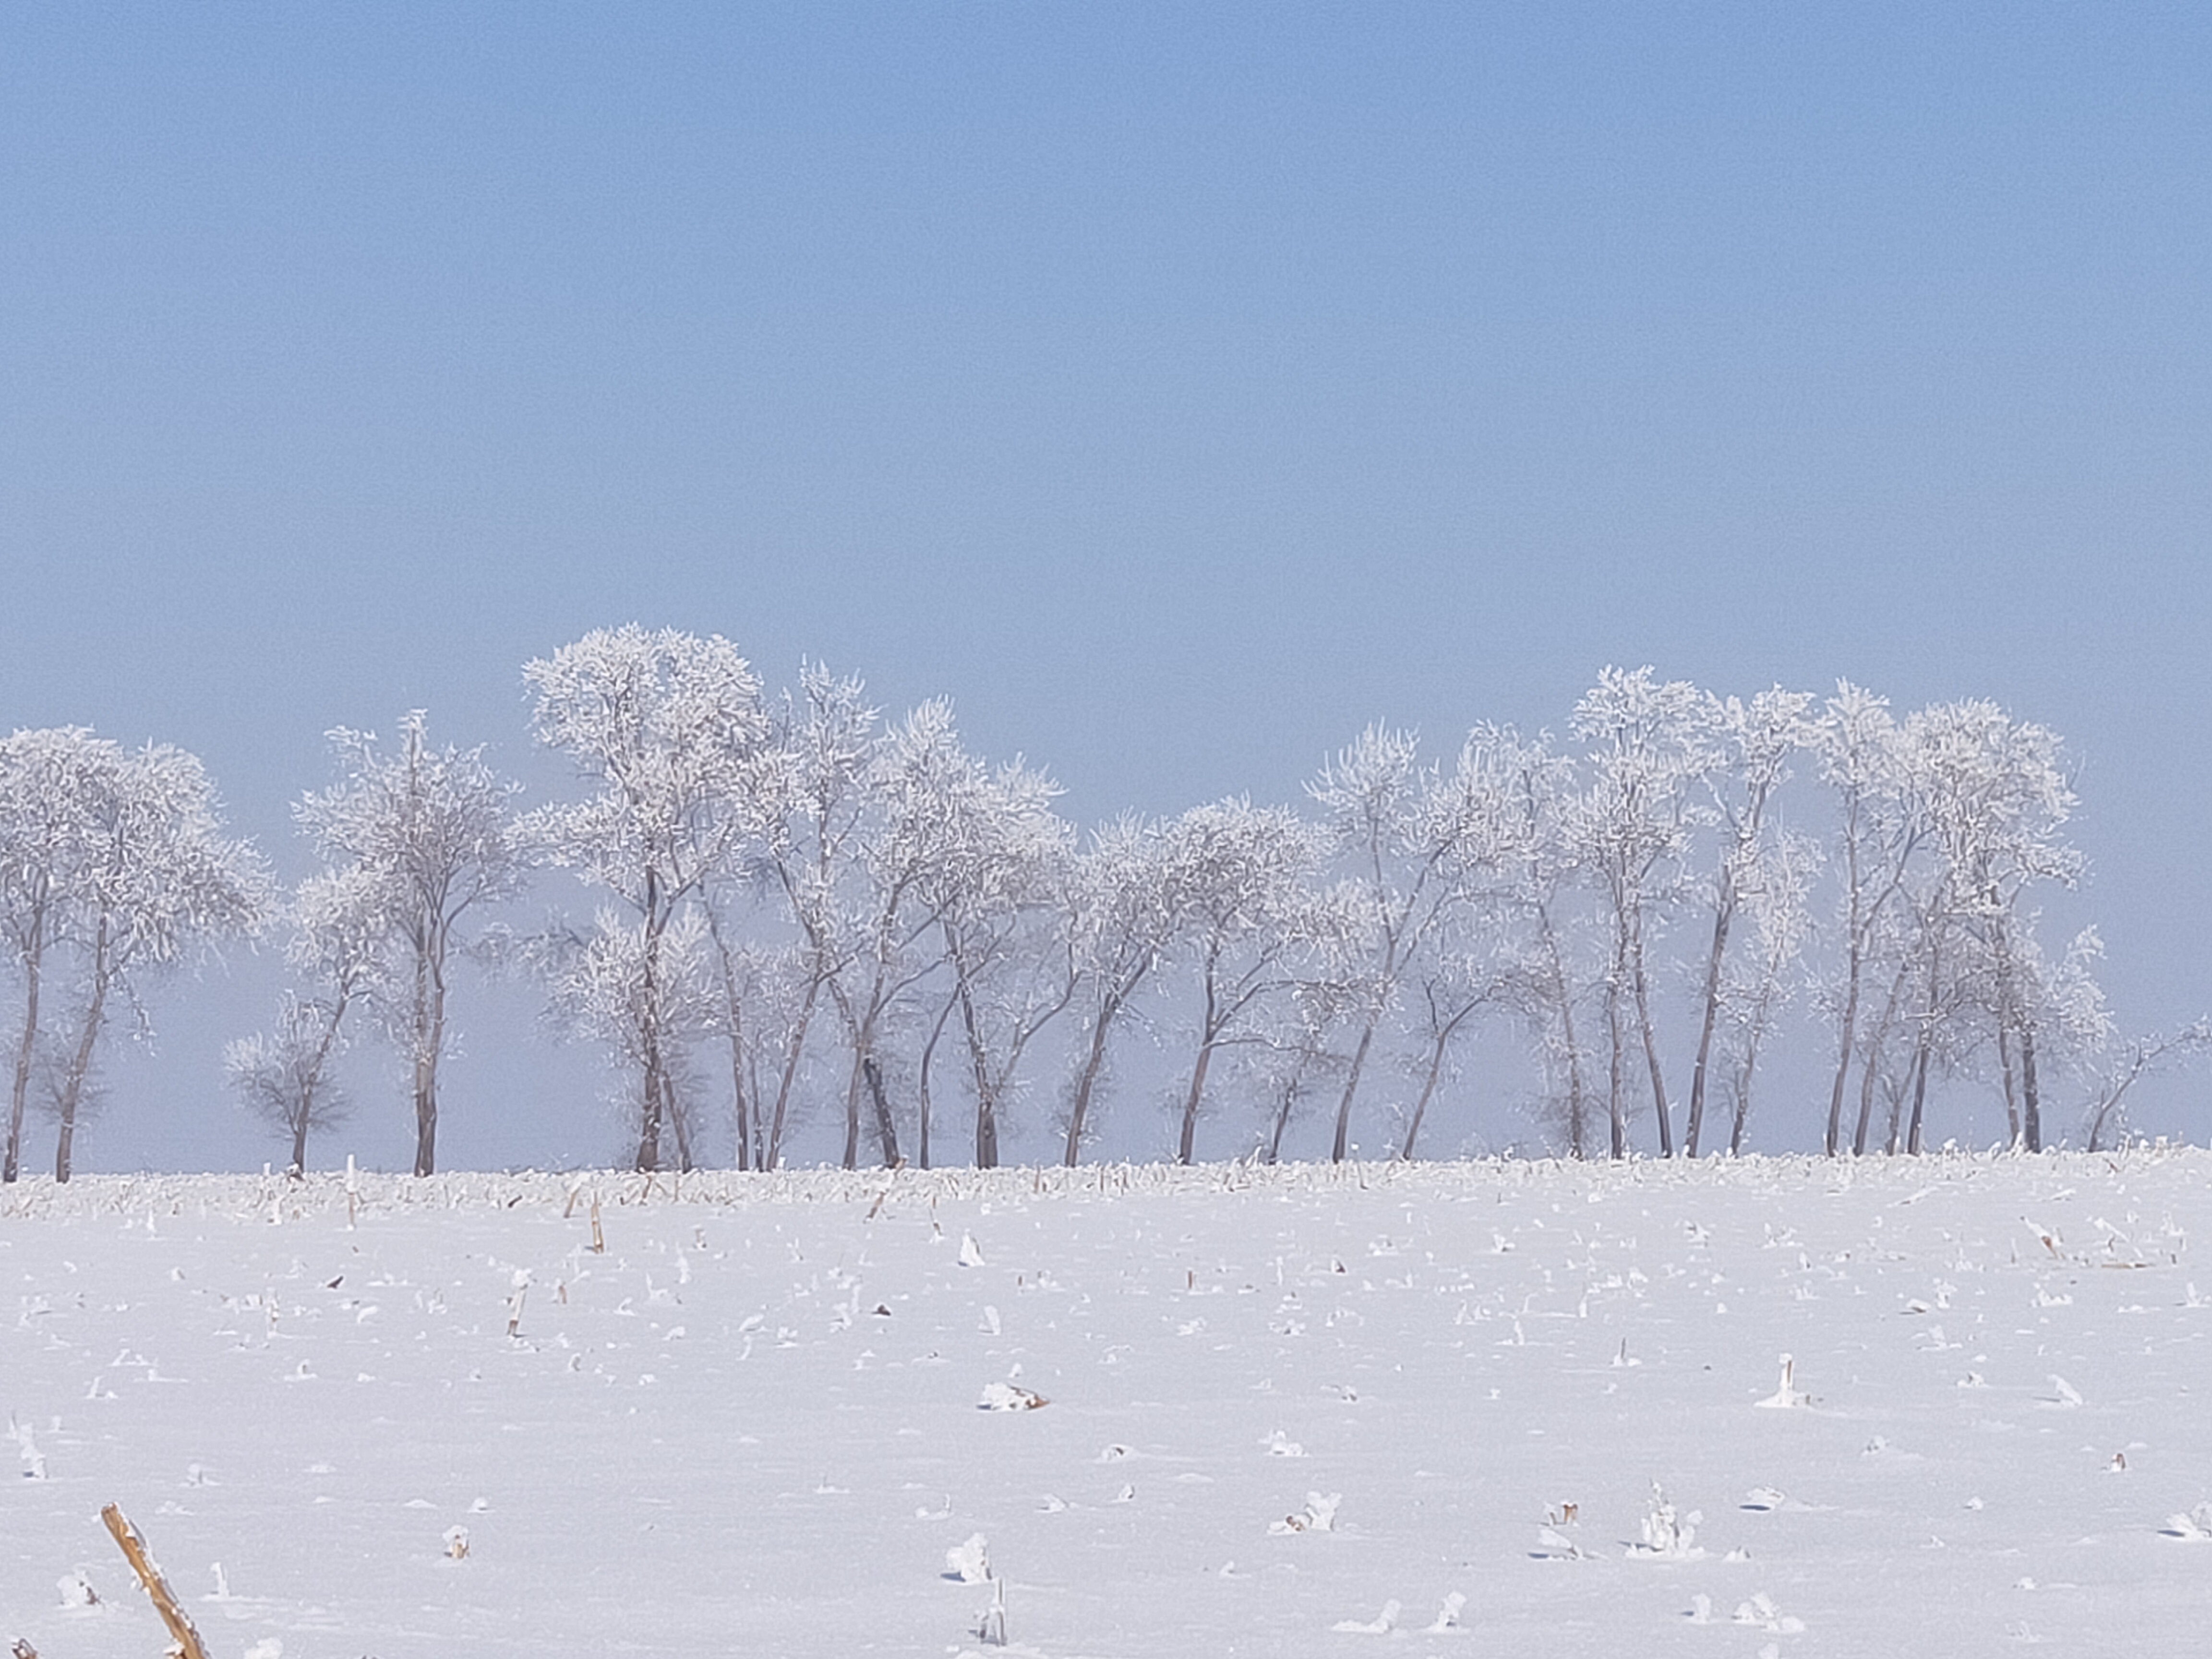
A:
{"points": [[987, 1108], [1443, 1036], [1285, 1102], [1724, 915], [1188, 1145], [81, 1062], [775, 1151], [1849, 1025], [886, 1131], [1919, 1097], [862, 1029], [1094, 1061], [1740, 1117], [2031, 1098], [1614, 1111], [1651, 1056], [429, 1041], [1875, 1041], [1342, 1143], [740, 1107], [1563, 997], [2004, 1059], [649, 1130], [928, 1059], [677, 1119], [733, 1012], [1428, 1087], [855, 1080], [11, 1167]]}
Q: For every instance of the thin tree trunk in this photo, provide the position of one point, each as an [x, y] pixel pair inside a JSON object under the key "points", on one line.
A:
{"points": [[987, 1107], [313, 1082], [1919, 1097], [1876, 1039], [1651, 1056], [1428, 1087], [775, 1152], [655, 1064], [429, 1041], [1849, 1025], [886, 1131], [1924, 1052], [1284, 1101], [740, 1103], [2030, 1096], [1188, 1145], [673, 1112], [1740, 1117], [648, 1133], [2004, 1058], [1094, 1061], [1724, 915], [1868, 1074], [855, 1080], [11, 1168], [1342, 1144], [733, 1013], [1614, 1081], [1563, 997], [928, 1058], [81, 1062], [1436, 1067]]}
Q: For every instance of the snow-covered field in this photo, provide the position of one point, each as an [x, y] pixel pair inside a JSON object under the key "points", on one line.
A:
{"points": [[1296, 1411]]}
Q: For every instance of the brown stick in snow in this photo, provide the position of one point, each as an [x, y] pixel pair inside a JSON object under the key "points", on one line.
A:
{"points": [[184, 1640]]}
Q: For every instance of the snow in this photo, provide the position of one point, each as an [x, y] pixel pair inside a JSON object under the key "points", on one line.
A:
{"points": [[750, 1424]]}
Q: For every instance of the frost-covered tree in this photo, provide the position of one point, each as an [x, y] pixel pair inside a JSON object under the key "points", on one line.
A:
{"points": [[1287, 1052], [2103, 1118], [748, 979], [1396, 837], [667, 729], [1997, 800], [890, 905], [938, 898], [337, 950], [116, 866], [1543, 976], [419, 838], [46, 816], [1124, 912], [1882, 832], [649, 998], [1949, 821], [1648, 753], [1474, 818], [817, 792], [996, 885], [283, 1075], [1241, 876], [1752, 743], [1775, 892]]}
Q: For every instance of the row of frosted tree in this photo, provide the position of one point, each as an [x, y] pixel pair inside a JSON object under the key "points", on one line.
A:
{"points": [[809, 916]]}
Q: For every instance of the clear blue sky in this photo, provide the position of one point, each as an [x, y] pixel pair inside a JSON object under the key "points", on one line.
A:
{"points": [[1178, 387]]}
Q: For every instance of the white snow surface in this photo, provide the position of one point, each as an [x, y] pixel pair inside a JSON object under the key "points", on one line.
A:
{"points": [[749, 1426]]}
